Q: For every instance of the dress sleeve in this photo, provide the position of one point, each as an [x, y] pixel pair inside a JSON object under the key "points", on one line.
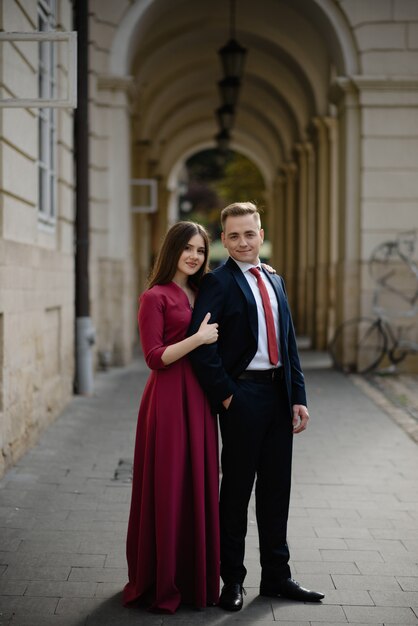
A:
{"points": [[151, 328]]}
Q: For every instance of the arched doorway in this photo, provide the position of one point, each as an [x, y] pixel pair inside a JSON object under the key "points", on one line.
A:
{"points": [[297, 119]]}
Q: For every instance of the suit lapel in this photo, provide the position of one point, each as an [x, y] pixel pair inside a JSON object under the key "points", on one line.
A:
{"points": [[246, 290]]}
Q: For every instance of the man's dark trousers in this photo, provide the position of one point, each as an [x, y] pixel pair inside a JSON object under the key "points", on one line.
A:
{"points": [[257, 437]]}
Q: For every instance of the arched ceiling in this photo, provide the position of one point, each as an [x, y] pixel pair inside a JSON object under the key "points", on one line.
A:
{"points": [[170, 49]]}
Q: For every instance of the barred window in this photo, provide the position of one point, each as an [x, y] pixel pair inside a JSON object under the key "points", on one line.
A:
{"points": [[47, 116]]}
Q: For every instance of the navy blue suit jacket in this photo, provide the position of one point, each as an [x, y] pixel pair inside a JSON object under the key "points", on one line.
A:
{"points": [[226, 294]]}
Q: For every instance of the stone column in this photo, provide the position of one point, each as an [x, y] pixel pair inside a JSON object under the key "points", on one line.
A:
{"points": [[277, 234], [311, 241], [290, 243], [322, 232], [345, 96], [299, 314], [332, 127], [116, 259], [141, 221]]}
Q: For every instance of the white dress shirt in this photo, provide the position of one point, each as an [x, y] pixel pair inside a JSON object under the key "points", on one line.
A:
{"points": [[261, 360]]}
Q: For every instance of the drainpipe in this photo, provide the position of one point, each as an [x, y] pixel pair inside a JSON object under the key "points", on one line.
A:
{"points": [[85, 333]]}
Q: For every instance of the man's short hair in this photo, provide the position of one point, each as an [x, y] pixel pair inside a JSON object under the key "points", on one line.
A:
{"points": [[240, 208]]}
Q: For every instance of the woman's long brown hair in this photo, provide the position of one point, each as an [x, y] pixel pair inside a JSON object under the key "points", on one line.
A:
{"points": [[168, 257]]}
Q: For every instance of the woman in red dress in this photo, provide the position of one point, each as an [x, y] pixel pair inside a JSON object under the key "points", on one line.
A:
{"points": [[173, 532]]}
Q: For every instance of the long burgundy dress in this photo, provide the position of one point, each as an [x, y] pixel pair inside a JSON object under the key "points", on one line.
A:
{"points": [[173, 532]]}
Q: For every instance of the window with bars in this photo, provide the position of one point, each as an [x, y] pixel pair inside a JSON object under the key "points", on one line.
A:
{"points": [[47, 116]]}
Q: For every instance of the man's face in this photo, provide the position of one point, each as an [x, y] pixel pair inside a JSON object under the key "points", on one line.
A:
{"points": [[242, 238]]}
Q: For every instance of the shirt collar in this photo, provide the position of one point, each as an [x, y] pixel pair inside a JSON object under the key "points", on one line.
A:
{"points": [[245, 267]]}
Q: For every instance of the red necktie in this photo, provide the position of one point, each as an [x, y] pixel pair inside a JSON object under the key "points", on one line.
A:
{"points": [[268, 311]]}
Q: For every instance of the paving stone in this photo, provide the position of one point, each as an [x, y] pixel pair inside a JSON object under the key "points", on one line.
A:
{"points": [[71, 559], [296, 530], [105, 590], [372, 556], [395, 568], [39, 546], [46, 620], [9, 558], [344, 532], [321, 567], [385, 547], [147, 620], [357, 624], [114, 516], [306, 554], [82, 606], [333, 513], [102, 546], [128, 617], [346, 597], [365, 582], [57, 589], [11, 546], [408, 583], [380, 614], [318, 612], [22, 605], [21, 572], [318, 543], [99, 575], [395, 598], [12, 587], [115, 560], [319, 582], [63, 525]]}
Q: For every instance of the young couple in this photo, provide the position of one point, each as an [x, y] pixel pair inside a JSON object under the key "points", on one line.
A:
{"points": [[229, 333]]}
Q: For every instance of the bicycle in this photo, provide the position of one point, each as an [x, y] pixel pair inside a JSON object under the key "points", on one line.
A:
{"points": [[359, 345]]}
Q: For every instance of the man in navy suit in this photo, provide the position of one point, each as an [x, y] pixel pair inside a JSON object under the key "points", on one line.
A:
{"points": [[259, 393]]}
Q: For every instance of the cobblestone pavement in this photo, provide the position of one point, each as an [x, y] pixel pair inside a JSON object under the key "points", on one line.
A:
{"points": [[353, 528]]}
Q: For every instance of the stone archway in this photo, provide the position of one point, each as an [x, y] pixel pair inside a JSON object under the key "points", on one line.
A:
{"points": [[306, 144]]}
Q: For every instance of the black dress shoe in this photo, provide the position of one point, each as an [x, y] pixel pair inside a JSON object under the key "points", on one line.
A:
{"points": [[231, 597], [291, 589]]}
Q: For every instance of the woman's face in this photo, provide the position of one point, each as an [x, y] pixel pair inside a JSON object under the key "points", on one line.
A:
{"points": [[192, 257]]}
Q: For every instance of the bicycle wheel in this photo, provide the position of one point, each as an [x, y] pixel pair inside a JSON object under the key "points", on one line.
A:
{"points": [[358, 345]]}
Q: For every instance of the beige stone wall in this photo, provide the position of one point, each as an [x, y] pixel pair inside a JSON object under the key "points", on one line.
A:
{"points": [[386, 37], [36, 262], [112, 271]]}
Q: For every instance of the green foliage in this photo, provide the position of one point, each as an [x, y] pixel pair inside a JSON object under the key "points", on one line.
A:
{"points": [[215, 182], [241, 182]]}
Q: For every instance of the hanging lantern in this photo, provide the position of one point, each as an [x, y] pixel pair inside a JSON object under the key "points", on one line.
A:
{"points": [[229, 90], [233, 58], [225, 115]]}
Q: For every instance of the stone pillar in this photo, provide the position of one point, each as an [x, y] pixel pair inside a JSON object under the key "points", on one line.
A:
{"points": [[345, 95], [141, 221], [277, 234], [311, 241], [290, 243], [299, 313], [332, 127], [116, 267], [322, 232]]}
